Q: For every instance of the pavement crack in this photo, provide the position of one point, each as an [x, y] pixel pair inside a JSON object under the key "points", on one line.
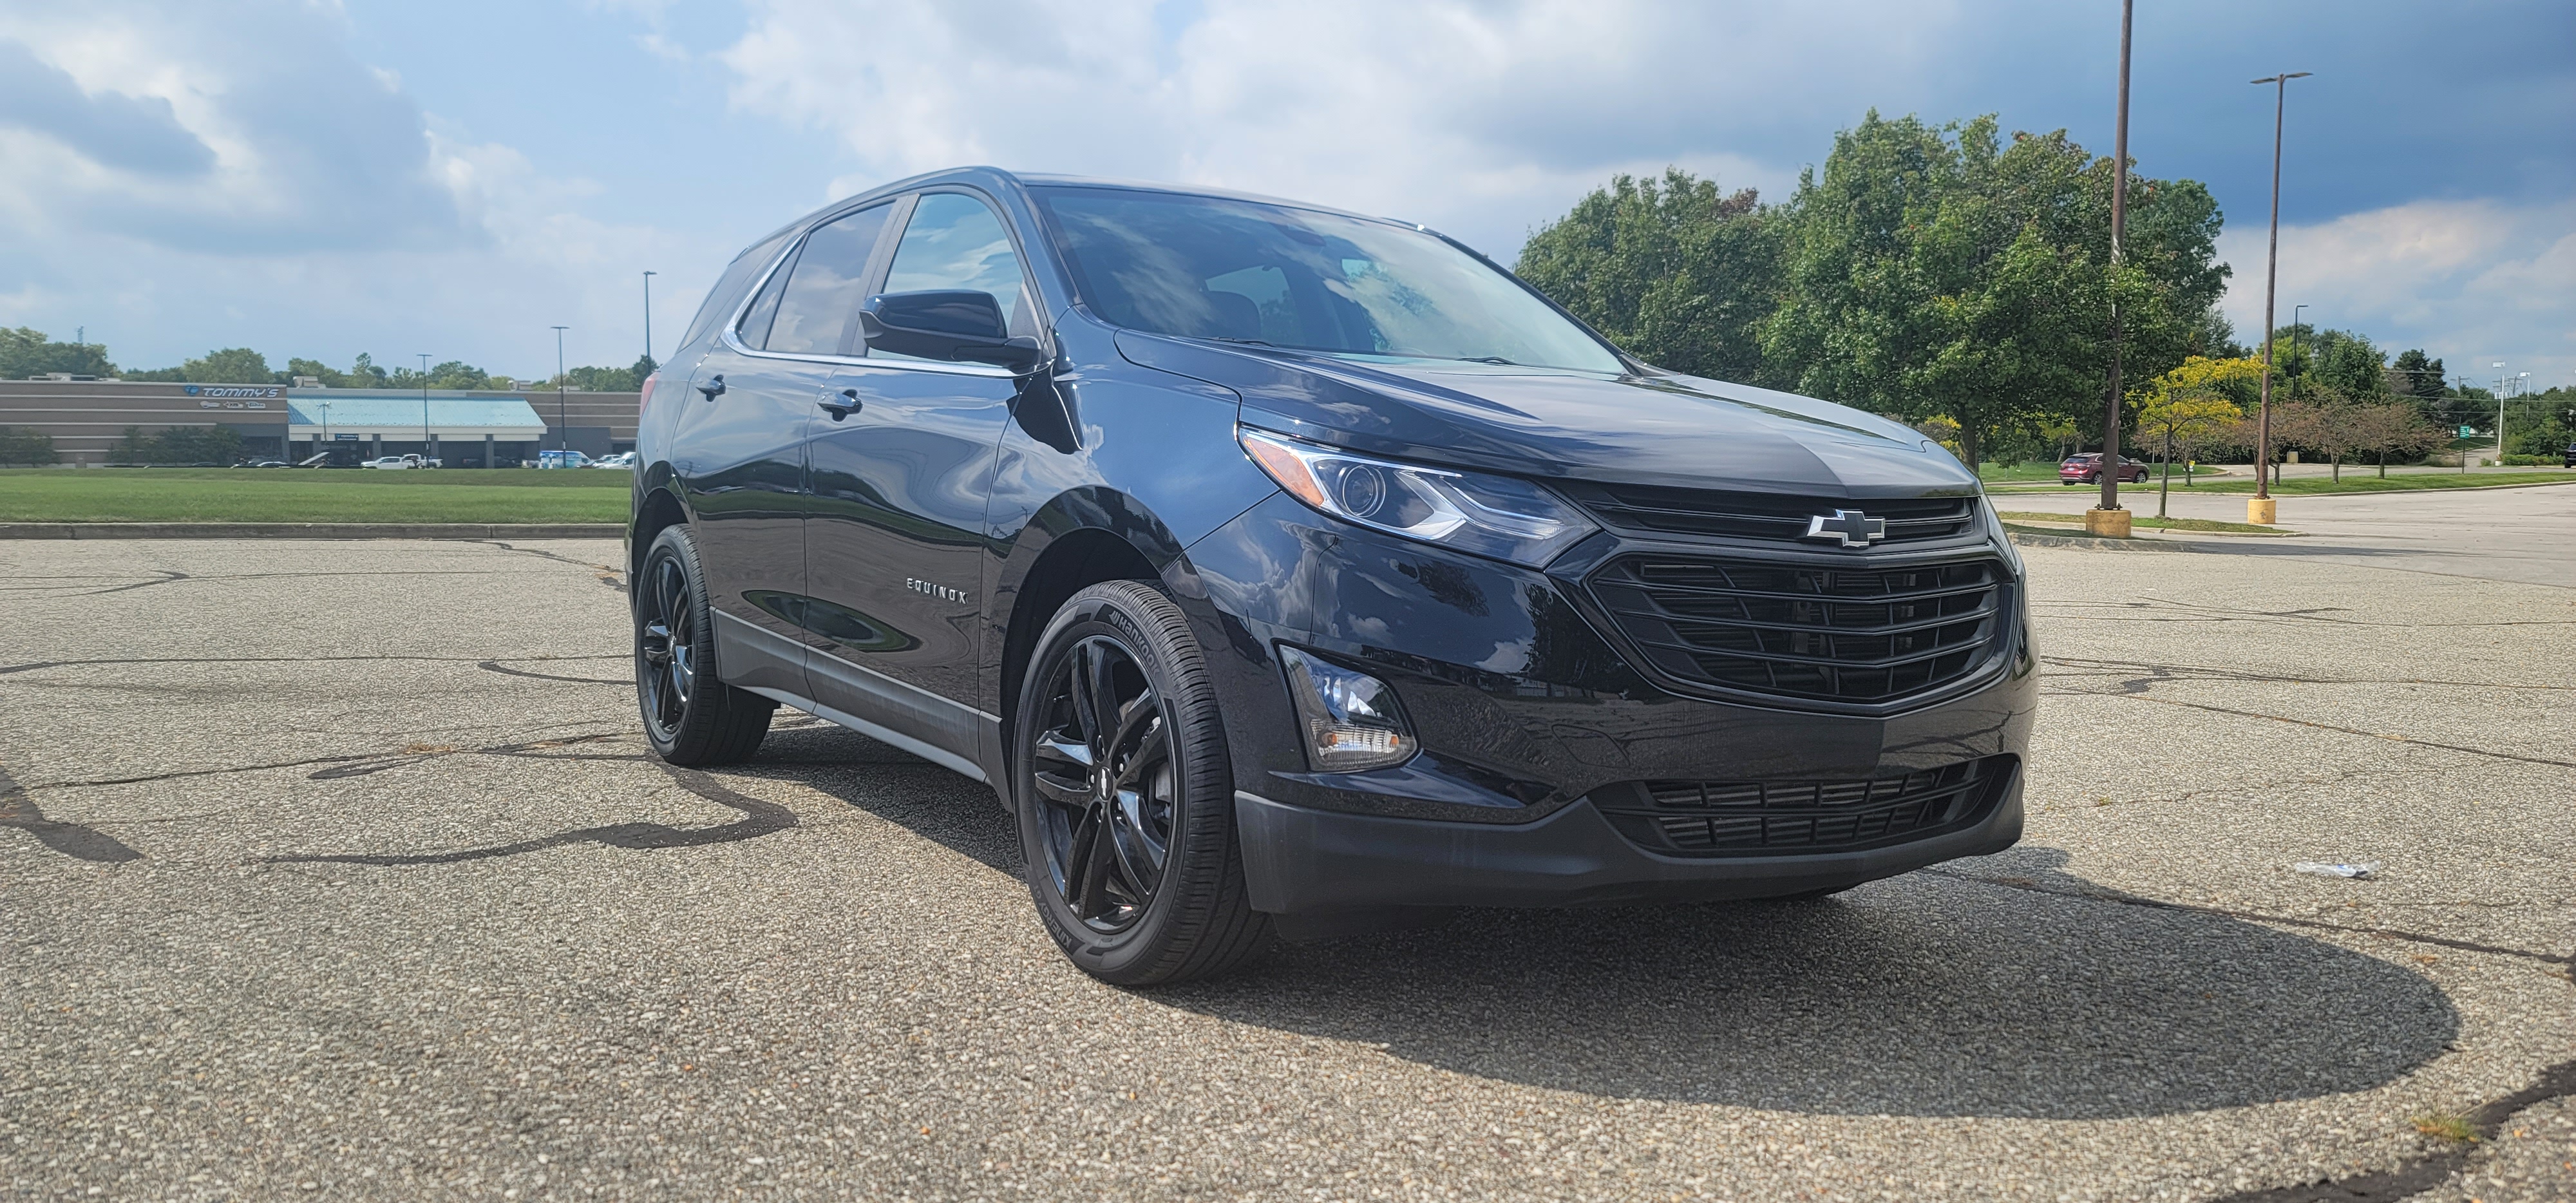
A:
{"points": [[608, 576], [495, 666], [18, 810], [759, 818], [7, 669], [2193, 672], [2399, 739], [2119, 899], [2432, 1169]]}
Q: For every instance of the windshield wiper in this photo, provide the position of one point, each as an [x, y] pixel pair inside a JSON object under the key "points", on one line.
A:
{"points": [[1488, 359], [1219, 338]]}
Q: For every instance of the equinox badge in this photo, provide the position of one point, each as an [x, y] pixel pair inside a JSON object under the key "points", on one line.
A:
{"points": [[1853, 527]]}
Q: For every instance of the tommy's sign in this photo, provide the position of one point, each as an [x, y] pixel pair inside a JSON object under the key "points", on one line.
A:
{"points": [[206, 395]]}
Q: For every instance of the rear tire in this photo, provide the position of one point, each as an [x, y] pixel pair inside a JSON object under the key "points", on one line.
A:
{"points": [[691, 717], [1125, 795]]}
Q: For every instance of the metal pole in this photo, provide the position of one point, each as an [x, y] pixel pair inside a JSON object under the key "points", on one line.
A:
{"points": [[424, 409], [2271, 289], [2110, 474], [648, 315], [563, 437]]}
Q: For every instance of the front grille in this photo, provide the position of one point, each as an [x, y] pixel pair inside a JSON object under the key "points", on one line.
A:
{"points": [[1741, 818], [1864, 635], [1771, 517]]}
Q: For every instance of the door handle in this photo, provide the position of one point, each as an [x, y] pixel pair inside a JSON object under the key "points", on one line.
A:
{"points": [[714, 387], [840, 405]]}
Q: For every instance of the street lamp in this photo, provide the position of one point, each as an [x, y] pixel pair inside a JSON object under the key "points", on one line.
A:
{"points": [[2262, 509], [2102, 521], [427, 448], [2294, 330], [648, 315], [562, 435]]}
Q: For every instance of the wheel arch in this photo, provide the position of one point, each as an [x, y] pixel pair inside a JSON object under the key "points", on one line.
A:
{"points": [[657, 508], [1081, 538]]}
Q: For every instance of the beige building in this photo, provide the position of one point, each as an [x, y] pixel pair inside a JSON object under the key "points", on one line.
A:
{"points": [[86, 419]]}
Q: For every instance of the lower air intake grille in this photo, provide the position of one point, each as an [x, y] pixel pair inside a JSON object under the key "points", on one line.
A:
{"points": [[1752, 818], [1868, 635]]}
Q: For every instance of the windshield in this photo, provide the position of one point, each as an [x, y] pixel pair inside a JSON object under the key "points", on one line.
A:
{"points": [[1207, 267]]}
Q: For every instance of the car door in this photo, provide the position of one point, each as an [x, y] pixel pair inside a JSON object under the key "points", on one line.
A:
{"points": [[894, 539], [739, 454]]}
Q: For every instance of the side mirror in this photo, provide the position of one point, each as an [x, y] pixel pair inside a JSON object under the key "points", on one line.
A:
{"points": [[957, 325]]}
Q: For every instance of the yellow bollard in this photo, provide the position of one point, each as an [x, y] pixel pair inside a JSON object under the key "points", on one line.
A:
{"points": [[2262, 511]]}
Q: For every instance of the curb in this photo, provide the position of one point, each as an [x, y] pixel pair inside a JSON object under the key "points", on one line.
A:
{"points": [[310, 530], [2538, 484], [2027, 539]]}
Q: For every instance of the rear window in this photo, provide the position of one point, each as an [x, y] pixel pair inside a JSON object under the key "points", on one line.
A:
{"points": [[729, 289]]}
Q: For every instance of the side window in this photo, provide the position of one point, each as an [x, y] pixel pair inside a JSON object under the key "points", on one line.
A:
{"points": [[754, 330], [729, 289], [956, 242], [822, 294]]}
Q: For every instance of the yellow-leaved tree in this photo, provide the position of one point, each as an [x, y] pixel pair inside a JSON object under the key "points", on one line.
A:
{"points": [[2188, 407]]}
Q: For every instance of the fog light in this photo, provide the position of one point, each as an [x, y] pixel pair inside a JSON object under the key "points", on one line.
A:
{"points": [[1351, 719]]}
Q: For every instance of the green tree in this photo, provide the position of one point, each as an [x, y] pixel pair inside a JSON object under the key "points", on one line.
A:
{"points": [[2416, 374], [32, 448], [232, 365], [1677, 272], [2189, 407], [1934, 270], [25, 352]]}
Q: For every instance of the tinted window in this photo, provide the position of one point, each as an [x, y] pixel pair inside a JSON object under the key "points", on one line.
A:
{"points": [[729, 288], [1206, 267], [956, 242], [754, 330], [822, 294]]}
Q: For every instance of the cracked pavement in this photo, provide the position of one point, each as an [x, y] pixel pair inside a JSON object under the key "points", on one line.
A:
{"points": [[341, 869]]}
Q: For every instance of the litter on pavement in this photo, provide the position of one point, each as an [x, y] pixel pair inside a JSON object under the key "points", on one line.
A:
{"points": [[2368, 868]]}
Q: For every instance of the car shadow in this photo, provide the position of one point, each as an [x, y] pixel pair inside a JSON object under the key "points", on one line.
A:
{"points": [[1931, 994]]}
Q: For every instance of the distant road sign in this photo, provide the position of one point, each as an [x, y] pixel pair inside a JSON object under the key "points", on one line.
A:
{"points": [[2466, 431]]}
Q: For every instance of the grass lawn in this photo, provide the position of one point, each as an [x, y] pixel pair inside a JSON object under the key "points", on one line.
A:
{"points": [[2362, 482], [313, 495], [2143, 522]]}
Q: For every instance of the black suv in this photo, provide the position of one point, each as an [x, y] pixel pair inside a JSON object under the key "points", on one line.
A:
{"points": [[1282, 565]]}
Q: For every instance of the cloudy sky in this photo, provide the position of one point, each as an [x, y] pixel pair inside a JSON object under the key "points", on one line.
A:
{"points": [[325, 177]]}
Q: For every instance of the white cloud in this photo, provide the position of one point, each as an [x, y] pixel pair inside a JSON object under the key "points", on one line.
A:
{"points": [[1470, 116], [168, 185], [2469, 281]]}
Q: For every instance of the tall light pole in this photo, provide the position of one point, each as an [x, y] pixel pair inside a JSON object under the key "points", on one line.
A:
{"points": [[648, 316], [2294, 329], [562, 436], [425, 447], [2261, 509], [2109, 476], [2501, 381]]}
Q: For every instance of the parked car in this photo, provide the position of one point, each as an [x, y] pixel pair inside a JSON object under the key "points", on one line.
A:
{"points": [[562, 459], [2571, 455], [2085, 468], [332, 456], [623, 459], [264, 463], [1280, 566], [393, 462]]}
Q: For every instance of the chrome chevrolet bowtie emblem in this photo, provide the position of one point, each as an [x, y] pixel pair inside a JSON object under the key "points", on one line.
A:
{"points": [[1853, 527]]}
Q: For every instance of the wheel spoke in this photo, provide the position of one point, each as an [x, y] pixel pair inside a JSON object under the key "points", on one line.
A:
{"points": [[1099, 682], [1140, 857], [1053, 789], [1064, 748], [1087, 718], [1095, 871], [1155, 750]]}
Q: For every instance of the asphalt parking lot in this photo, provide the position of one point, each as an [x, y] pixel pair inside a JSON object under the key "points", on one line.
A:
{"points": [[338, 870]]}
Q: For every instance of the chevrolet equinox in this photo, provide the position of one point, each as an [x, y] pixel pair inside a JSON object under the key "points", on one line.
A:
{"points": [[1283, 566]]}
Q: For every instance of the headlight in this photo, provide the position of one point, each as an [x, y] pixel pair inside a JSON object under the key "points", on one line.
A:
{"points": [[1494, 516]]}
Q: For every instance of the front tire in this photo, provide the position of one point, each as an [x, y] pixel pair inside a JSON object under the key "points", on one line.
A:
{"points": [[691, 718], [1125, 795]]}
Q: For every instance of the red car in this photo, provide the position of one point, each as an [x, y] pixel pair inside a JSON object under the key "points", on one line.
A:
{"points": [[2085, 468]]}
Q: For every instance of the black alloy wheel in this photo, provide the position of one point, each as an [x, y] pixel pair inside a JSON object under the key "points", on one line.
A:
{"points": [[1125, 794], [1102, 769], [690, 717]]}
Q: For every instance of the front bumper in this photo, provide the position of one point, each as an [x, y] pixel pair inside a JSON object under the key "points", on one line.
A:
{"points": [[1529, 720], [1302, 861]]}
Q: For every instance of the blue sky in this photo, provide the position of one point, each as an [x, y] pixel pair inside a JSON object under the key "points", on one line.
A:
{"points": [[393, 176]]}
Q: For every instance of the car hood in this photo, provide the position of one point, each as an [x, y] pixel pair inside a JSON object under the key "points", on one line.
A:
{"points": [[1653, 428]]}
